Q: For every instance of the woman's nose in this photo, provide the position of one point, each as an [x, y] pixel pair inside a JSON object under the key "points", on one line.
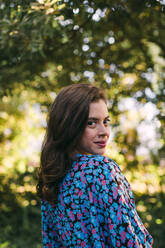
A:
{"points": [[103, 130]]}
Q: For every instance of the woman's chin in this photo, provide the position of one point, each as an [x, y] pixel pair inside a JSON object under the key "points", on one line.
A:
{"points": [[100, 152]]}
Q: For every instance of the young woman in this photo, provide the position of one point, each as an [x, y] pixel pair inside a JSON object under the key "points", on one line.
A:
{"points": [[85, 199]]}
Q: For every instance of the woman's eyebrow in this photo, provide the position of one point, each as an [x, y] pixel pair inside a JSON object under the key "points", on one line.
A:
{"points": [[95, 119]]}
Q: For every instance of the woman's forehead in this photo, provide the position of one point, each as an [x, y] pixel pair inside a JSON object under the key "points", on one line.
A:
{"points": [[98, 109]]}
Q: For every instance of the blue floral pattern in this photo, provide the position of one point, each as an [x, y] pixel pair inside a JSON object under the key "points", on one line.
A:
{"points": [[95, 209]]}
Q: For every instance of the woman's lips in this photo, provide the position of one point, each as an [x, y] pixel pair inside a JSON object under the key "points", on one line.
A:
{"points": [[101, 144]]}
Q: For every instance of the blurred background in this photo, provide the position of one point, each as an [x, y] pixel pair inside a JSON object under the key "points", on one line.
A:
{"points": [[45, 45]]}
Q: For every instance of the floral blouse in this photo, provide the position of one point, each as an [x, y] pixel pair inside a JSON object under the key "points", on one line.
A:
{"points": [[95, 209]]}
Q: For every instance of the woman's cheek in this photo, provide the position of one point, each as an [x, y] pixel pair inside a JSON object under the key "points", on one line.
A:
{"points": [[90, 133]]}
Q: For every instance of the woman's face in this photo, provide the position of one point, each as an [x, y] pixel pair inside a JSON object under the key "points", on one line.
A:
{"points": [[97, 131]]}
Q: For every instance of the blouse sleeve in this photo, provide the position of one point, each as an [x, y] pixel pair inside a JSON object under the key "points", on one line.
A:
{"points": [[49, 235], [123, 226]]}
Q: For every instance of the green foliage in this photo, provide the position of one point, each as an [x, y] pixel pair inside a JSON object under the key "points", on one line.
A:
{"points": [[20, 214], [79, 37], [118, 45], [19, 205], [150, 209]]}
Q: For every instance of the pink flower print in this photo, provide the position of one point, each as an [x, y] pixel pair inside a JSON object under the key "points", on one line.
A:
{"points": [[118, 243], [80, 193], [110, 226], [71, 215], [130, 229], [101, 202], [102, 176], [103, 182], [71, 225], [72, 174], [83, 180], [123, 235], [94, 200], [79, 215], [110, 199], [61, 215], [103, 246], [93, 231], [130, 243], [119, 214], [73, 205], [90, 197], [83, 244], [69, 183], [63, 235], [83, 165], [83, 228], [115, 192]]}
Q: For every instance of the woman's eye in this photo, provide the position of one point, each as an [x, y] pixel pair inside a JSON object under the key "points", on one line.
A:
{"points": [[106, 122], [91, 123]]}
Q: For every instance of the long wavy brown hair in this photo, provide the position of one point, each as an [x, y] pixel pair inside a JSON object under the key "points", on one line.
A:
{"points": [[67, 120]]}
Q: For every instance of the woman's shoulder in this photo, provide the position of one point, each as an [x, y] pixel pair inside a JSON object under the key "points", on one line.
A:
{"points": [[96, 162], [93, 157]]}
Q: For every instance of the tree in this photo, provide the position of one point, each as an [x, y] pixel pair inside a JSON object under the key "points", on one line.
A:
{"points": [[78, 39], [118, 45]]}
